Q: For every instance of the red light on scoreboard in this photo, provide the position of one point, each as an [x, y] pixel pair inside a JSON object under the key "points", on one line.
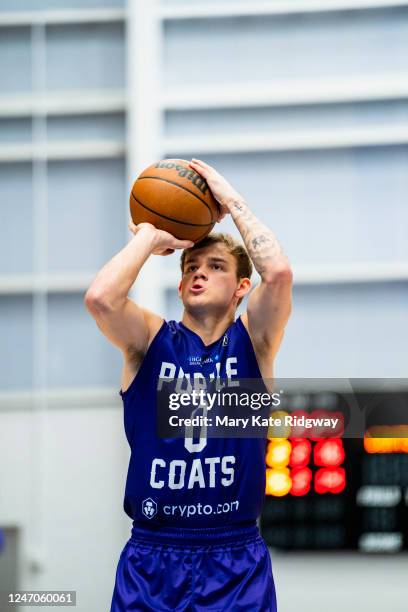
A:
{"points": [[301, 479], [330, 480], [329, 453], [300, 455]]}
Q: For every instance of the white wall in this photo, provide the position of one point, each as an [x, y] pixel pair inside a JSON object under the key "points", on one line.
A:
{"points": [[62, 483], [338, 581]]}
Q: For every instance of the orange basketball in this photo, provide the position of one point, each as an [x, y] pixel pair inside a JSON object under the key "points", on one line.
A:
{"points": [[174, 198]]}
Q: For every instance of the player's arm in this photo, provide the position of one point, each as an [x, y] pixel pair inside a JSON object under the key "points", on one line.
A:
{"points": [[121, 320], [269, 305]]}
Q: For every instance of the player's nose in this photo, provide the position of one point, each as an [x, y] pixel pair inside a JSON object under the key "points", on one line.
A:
{"points": [[199, 273]]}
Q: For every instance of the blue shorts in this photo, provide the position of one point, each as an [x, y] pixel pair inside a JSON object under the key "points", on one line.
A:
{"points": [[200, 570]]}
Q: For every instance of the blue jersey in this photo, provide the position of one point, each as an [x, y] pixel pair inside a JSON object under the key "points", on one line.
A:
{"points": [[182, 482]]}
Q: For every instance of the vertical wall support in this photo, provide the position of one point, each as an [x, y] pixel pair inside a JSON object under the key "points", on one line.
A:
{"points": [[37, 500], [144, 123]]}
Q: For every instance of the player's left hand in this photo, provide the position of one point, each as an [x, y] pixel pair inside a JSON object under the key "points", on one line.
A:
{"points": [[222, 191]]}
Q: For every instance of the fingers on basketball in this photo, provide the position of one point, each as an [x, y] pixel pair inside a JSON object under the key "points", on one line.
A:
{"points": [[201, 167], [132, 227]]}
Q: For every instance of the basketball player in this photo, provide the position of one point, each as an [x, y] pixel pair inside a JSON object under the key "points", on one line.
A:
{"points": [[195, 544]]}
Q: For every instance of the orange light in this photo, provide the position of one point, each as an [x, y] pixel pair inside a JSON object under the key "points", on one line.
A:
{"points": [[278, 454], [278, 482], [386, 439]]}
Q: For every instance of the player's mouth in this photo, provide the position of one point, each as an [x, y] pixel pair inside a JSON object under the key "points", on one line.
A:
{"points": [[196, 288]]}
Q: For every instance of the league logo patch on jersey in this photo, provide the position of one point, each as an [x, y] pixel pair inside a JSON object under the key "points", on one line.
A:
{"points": [[225, 340], [149, 508]]}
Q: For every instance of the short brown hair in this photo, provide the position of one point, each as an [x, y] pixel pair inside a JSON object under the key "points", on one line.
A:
{"points": [[236, 249]]}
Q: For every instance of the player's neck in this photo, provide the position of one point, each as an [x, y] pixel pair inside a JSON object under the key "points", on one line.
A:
{"points": [[209, 327]]}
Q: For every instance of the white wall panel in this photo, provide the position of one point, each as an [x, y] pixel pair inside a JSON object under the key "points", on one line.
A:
{"points": [[16, 206], [15, 52], [286, 119], [78, 354], [16, 346], [346, 331], [87, 56], [85, 203], [15, 130], [287, 47], [29, 5], [87, 127]]}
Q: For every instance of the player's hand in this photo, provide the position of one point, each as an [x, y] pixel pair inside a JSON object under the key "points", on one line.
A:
{"points": [[222, 191], [164, 243]]}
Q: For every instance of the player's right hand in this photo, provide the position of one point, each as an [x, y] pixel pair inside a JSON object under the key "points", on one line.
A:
{"points": [[165, 243]]}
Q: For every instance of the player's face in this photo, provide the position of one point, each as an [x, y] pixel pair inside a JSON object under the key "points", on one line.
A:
{"points": [[209, 278]]}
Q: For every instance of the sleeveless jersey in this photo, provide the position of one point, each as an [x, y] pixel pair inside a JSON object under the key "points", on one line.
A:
{"points": [[172, 482]]}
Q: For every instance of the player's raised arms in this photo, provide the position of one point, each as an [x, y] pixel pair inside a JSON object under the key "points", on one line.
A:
{"points": [[121, 320]]}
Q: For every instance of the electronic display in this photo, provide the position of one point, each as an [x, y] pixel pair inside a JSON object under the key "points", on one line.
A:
{"points": [[338, 493]]}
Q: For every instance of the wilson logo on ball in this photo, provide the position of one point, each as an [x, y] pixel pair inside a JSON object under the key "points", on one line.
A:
{"points": [[184, 172]]}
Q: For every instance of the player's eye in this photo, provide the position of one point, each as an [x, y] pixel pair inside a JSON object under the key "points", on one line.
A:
{"points": [[217, 267], [191, 268]]}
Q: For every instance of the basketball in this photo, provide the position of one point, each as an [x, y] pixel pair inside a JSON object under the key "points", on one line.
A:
{"points": [[174, 198]]}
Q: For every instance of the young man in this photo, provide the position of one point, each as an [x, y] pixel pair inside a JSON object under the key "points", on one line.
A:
{"points": [[195, 544]]}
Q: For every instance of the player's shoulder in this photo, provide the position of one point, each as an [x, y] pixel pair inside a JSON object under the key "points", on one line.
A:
{"points": [[154, 323]]}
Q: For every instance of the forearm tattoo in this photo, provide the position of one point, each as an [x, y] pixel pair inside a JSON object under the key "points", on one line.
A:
{"points": [[260, 242]]}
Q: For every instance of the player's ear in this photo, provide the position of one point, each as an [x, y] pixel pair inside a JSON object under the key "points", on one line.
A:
{"points": [[179, 288], [243, 288]]}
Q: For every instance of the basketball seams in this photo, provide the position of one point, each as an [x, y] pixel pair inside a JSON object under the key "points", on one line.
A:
{"points": [[158, 178], [165, 216]]}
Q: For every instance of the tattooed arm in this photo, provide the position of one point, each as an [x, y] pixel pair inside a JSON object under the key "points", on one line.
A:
{"points": [[269, 305], [261, 244]]}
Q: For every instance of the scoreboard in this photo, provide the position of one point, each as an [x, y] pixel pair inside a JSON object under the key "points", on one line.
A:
{"points": [[339, 493]]}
